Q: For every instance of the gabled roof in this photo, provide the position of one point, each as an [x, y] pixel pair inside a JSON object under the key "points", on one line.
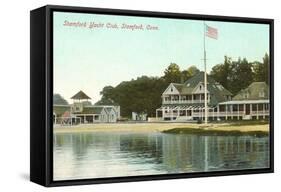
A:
{"points": [[60, 109], [217, 91], [199, 77], [80, 95], [178, 86], [92, 110], [255, 91]]}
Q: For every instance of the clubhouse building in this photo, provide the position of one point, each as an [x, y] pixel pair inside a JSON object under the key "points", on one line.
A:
{"points": [[185, 102]]}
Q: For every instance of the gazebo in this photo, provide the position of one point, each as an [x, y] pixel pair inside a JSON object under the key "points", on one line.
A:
{"points": [[80, 96]]}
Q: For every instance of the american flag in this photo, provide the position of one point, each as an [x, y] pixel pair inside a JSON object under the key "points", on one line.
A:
{"points": [[211, 32]]}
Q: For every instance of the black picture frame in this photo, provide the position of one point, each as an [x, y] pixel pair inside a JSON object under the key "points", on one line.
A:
{"points": [[41, 94]]}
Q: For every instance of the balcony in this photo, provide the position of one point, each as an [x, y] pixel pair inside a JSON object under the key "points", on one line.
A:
{"points": [[184, 101]]}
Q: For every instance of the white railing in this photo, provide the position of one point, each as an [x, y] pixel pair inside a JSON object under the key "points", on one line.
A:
{"points": [[218, 114], [266, 112], [170, 114], [184, 101]]}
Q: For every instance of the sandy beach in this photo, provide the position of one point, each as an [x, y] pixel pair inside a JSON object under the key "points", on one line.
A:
{"points": [[154, 127]]}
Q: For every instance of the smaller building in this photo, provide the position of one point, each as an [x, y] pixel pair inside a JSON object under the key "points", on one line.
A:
{"points": [[82, 111], [139, 116], [250, 103]]}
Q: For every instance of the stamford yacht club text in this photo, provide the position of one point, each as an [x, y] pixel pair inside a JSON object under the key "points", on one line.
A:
{"points": [[109, 25]]}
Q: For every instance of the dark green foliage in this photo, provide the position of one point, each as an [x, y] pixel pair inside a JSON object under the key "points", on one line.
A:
{"points": [[59, 100], [140, 95], [241, 75], [261, 70], [221, 72], [237, 75], [214, 132], [186, 74], [172, 73], [107, 96]]}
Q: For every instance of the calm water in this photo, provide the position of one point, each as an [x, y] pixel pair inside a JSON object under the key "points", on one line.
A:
{"points": [[94, 155]]}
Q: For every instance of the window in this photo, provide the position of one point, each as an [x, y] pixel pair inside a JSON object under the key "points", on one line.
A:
{"points": [[220, 87], [261, 93], [172, 89], [246, 95]]}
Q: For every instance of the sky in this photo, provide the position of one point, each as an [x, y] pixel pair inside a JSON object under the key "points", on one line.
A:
{"points": [[88, 58]]}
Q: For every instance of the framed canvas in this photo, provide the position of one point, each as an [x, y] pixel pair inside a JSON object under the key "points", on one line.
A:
{"points": [[125, 95]]}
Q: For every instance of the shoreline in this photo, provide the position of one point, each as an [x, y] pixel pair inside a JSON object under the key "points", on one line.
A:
{"points": [[159, 127]]}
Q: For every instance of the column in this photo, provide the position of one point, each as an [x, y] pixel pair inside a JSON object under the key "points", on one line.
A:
{"points": [[156, 113], [263, 111], [268, 108], [257, 111], [251, 110], [231, 111], [244, 109], [213, 114], [225, 111], [238, 112], [218, 112], [172, 114]]}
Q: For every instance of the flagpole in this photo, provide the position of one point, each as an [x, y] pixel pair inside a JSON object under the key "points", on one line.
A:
{"points": [[205, 77]]}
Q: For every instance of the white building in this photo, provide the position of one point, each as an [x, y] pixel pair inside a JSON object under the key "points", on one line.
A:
{"points": [[82, 111], [185, 102]]}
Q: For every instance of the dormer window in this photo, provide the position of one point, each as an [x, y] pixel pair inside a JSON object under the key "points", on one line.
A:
{"points": [[172, 89], [246, 95], [261, 93], [200, 87], [220, 87]]}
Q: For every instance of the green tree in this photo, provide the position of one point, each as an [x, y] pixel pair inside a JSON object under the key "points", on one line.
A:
{"points": [[172, 74], [233, 75], [221, 72], [59, 100], [186, 74], [193, 70], [142, 95], [108, 97], [261, 70], [241, 75]]}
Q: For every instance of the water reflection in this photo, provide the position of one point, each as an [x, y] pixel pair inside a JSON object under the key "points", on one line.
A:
{"points": [[94, 155]]}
